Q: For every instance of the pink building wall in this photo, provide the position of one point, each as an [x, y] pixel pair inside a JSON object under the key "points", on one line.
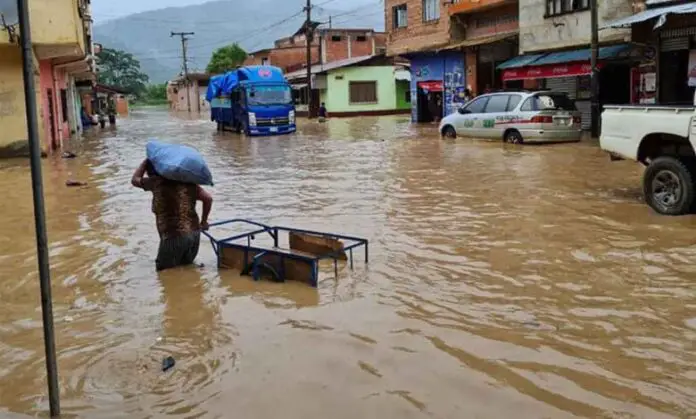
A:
{"points": [[56, 82]]}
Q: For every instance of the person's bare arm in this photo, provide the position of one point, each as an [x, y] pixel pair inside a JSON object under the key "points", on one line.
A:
{"points": [[207, 200], [137, 179]]}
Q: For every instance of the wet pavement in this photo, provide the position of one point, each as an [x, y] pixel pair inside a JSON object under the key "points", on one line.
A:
{"points": [[504, 281]]}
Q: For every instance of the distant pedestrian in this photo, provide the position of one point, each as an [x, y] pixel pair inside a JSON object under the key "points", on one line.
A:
{"points": [[322, 112], [174, 205]]}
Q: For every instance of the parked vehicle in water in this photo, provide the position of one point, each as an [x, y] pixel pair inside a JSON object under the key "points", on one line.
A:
{"points": [[255, 100], [516, 117], [663, 139]]}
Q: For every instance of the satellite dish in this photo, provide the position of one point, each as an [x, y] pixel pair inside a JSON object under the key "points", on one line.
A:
{"points": [[8, 10]]}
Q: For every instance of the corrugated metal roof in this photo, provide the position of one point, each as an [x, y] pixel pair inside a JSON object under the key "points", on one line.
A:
{"points": [[321, 68], [660, 13]]}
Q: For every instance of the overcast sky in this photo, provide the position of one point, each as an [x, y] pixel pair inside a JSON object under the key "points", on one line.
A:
{"points": [[109, 9]]}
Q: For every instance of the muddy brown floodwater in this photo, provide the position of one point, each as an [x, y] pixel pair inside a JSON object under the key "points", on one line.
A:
{"points": [[504, 281]]}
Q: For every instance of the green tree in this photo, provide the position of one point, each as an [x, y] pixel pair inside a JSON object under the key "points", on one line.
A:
{"points": [[121, 69], [226, 58], [156, 92]]}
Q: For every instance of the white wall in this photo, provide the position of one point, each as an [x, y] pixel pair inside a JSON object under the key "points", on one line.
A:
{"points": [[539, 34]]}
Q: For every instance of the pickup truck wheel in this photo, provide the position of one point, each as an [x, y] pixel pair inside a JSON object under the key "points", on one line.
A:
{"points": [[668, 185], [513, 137]]}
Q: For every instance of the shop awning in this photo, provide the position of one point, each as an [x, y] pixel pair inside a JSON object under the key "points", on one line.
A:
{"points": [[519, 61], [559, 64], [659, 13], [480, 41], [605, 53], [402, 75], [431, 86]]}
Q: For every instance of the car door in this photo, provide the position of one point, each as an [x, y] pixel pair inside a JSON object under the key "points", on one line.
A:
{"points": [[470, 116], [494, 116]]}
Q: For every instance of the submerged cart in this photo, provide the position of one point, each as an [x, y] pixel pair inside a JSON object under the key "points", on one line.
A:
{"points": [[299, 261]]}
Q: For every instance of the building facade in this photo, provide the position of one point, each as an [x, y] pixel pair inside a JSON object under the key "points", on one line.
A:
{"points": [[666, 73], [328, 45], [195, 88], [61, 35], [422, 32], [369, 85]]}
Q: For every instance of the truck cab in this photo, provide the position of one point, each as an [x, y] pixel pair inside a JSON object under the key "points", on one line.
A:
{"points": [[255, 100]]}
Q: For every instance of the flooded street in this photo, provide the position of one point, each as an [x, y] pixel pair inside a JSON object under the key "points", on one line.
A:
{"points": [[504, 281]]}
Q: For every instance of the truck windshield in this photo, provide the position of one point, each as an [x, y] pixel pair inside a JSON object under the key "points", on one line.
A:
{"points": [[269, 95]]}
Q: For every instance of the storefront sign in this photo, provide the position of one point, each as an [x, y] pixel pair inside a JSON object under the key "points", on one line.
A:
{"points": [[431, 86], [548, 71]]}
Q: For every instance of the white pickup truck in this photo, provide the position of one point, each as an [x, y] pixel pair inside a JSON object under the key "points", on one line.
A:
{"points": [[663, 138]]}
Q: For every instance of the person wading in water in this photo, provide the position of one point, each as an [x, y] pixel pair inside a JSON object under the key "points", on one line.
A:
{"points": [[174, 205]]}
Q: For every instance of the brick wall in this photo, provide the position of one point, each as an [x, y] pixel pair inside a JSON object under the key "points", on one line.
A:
{"points": [[287, 59], [499, 20], [417, 34], [350, 44]]}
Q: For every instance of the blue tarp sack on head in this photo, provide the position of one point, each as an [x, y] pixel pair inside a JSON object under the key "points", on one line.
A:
{"points": [[179, 162]]}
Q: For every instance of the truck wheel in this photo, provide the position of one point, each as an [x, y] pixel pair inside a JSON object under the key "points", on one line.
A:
{"points": [[668, 186]]}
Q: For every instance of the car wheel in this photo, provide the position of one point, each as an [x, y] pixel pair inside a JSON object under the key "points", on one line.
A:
{"points": [[513, 137], [668, 185], [449, 132]]}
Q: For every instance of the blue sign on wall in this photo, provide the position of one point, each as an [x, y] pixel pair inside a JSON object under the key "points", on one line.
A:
{"points": [[446, 67]]}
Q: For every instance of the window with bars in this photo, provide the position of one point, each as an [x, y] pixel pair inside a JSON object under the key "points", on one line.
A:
{"points": [[431, 10], [561, 7], [362, 92], [400, 16]]}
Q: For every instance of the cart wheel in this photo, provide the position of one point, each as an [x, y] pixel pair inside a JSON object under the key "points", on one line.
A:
{"points": [[264, 270]]}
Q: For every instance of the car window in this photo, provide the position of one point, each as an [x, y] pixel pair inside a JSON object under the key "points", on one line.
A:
{"points": [[497, 104], [555, 102], [477, 105], [513, 102], [545, 102], [528, 105]]}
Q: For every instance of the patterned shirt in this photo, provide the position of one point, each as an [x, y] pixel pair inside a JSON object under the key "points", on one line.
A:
{"points": [[174, 205]]}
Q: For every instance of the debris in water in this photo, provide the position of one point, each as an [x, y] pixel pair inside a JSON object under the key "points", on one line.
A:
{"points": [[69, 155], [168, 363], [68, 319], [159, 339], [75, 183]]}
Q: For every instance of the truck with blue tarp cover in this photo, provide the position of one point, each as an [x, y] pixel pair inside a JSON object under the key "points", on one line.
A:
{"points": [[255, 100]]}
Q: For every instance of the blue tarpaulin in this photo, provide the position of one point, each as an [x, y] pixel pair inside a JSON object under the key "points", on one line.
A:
{"points": [[214, 87]]}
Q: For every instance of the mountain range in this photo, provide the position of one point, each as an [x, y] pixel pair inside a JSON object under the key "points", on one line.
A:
{"points": [[254, 25]]}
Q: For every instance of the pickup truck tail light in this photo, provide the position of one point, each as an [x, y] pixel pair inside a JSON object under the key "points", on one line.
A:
{"points": [[577, 120], [542, 119]]}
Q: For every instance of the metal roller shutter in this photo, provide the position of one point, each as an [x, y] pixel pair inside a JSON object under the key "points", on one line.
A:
{"points": [[585, 108], [674, 44], [567, 85]]}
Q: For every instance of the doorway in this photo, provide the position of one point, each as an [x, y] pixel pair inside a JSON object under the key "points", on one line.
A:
{"points": [[674, 68], [429, 105], [616, 80], [51, 118]]}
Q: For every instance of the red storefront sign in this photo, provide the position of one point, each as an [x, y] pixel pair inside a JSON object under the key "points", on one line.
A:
{"points": [[549, 71], [431, 86]]}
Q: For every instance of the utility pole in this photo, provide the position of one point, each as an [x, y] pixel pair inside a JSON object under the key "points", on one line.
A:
{"points": [[184, 39], [308, 37], [39, 209], [594, 75]]}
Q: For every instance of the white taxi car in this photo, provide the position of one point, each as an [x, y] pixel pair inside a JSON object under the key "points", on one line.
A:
{"points": [[516, 117]]}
